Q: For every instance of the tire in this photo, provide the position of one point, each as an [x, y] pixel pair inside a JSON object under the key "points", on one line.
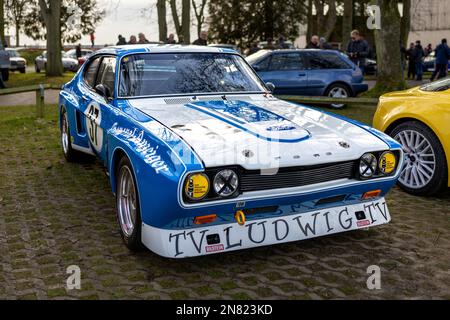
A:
{"points": [[425, 170], [22, 70], [37, 68], [338, 90], [128, 211], [70, 154]]}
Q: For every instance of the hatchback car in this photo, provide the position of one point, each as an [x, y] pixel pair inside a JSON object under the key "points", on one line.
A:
{"points": [[309, 72]]}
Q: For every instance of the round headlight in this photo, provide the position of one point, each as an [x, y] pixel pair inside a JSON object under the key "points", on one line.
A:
{"points": [[196, 186], [226, 183], [387, 163], [367, 165]]}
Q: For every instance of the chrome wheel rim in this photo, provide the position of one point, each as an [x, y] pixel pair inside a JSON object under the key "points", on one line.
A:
{"points": [[338, 92], [126, 201], [420, 163], [65, 134]]}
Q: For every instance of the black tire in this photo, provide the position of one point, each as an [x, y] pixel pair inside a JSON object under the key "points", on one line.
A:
{"points": [[36, 68], [338, 86], [70, 154], [22, 70], [439, 178], [133, 240]]}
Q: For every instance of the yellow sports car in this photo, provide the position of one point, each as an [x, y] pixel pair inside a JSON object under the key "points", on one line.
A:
{"points": [[419, 119]]}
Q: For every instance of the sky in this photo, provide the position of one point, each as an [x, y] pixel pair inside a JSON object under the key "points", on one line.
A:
{"points": [[125, 17]]}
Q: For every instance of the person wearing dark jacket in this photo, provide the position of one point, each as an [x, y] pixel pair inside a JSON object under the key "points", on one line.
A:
{"points": [[324, 45], [419, 55], [411, 57], [202, 40], [358, 50], [314, 43], [121, 41], [442, 56]]}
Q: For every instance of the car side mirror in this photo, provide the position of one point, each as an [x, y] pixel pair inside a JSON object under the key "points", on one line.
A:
{"points": [[103, 91], [270, 86]]}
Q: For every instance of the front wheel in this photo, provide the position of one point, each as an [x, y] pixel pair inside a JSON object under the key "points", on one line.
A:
{"points": [[425, 169], [338, 91], [128, 209], [36, 68]]}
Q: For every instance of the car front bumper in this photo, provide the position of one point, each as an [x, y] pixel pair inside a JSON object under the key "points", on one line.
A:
{"points": [[286, 225]]}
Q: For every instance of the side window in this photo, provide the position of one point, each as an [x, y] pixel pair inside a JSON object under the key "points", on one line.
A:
{"points": [[91, 72], [263, 64], [286, 61], [326, 60], [106, 73]]}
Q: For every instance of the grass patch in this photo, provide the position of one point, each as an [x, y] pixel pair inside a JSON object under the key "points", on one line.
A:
{"points": [[30, 55], [17, 79]]}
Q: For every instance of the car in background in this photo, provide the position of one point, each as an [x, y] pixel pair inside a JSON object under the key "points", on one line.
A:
{"points": [[429, 63], [69, 64], [85, 54], [418, 119], [371, 67], [309, 72], [288, 44], [17, 62], [224, 46]]}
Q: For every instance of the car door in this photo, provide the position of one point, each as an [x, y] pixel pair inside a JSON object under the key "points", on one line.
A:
{"points": [[286, 70], [325, 68], [97, 104]]}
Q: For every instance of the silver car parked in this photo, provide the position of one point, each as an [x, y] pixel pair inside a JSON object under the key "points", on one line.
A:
{"points": [[17, 63], [69, 64]]}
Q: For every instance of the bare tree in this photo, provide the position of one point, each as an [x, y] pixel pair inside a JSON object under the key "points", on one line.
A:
{"points": [[347, 20], [330, 21], [51, 14], [387, 41], [162, 21], [183, 27], [16, 11], [199, 12]]}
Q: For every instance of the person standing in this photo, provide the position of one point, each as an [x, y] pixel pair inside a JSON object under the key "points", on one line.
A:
{"points": [[411, 57], [92, 37], [324, 45], [4, 66], [142, 39], [253, 48], [313, 43], [358, 50], [132, 40], [121, 41], [442, 57], [202, 40], [171, 39], [419, 55], [78, 51], [428, 50]]}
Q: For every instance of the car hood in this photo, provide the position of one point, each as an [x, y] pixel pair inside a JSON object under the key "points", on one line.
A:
{"points": [[258, 132], [18, 59]]}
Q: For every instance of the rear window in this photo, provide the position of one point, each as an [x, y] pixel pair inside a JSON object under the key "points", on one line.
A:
{"points": [[326, 60], [286, 61]]}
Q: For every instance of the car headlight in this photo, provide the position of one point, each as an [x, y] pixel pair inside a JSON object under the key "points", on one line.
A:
{"points": [[367, 165], [226, 183], [196, 186], [387, 163]]}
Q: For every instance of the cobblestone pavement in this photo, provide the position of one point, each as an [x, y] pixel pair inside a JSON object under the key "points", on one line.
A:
{"points": [[54, 214]]}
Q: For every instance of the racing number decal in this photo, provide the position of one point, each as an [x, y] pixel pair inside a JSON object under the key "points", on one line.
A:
{"points": [[93, 120]]}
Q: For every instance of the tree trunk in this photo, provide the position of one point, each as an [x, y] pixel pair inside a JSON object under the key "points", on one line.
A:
{"points": [[17, 25], [51, 14], [406, 22], [309, 30], [319, 17], [199, 12], [330, 22], [268, 11], [162, 21], [186, 20], [387, 41], [347, 21], [2, 22]]}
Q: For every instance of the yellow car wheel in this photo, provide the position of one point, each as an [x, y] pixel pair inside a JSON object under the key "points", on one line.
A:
{"points": [[425, 168]]}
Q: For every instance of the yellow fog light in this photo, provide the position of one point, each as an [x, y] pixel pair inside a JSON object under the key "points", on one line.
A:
{"points": [[387, 163], [196, 186]]}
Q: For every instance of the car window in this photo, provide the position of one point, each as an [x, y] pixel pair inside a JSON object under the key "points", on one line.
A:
{"points": [[326, 60], [90, 73], [286, 61], [436, 86], [106, 73]]}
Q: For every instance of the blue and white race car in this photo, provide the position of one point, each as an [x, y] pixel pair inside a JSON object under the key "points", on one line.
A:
{"points": [[203, 159]]}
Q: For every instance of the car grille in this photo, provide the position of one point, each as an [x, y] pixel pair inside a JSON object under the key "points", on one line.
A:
{"points": [[296, 176]]}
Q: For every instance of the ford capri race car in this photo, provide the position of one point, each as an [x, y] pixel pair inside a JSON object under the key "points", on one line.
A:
{"points": [[203, 159]]}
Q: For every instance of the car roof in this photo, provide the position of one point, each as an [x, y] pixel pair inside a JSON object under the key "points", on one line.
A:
{"points": [[160, 48]]}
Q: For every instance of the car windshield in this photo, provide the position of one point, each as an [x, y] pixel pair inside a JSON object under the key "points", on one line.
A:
{"points": [[439, 85], [13, 53], [185, 73]]}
